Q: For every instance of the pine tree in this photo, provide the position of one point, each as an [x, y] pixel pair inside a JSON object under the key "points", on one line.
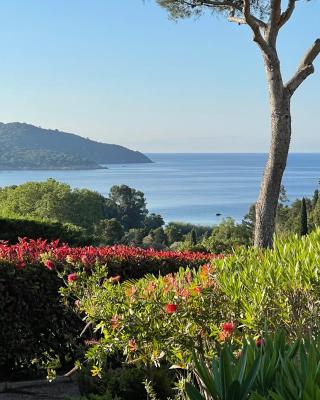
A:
{"points": [[315, 198], [194, 239], [303, 218]]}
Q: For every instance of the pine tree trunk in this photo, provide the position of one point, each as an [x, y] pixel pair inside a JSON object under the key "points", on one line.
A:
{"points": [[267, 203]]}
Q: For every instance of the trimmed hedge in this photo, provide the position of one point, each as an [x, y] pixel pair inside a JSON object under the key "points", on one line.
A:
{"points": [[13, 228], [33, 319]]}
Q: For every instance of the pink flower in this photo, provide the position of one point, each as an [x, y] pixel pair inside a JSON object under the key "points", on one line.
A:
{"points": [[49, 264], [20, 265], [85, 260], [170, 308], [72, 277]]}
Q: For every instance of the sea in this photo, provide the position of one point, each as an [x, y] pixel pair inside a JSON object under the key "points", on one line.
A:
{"points": [[195, 188]]}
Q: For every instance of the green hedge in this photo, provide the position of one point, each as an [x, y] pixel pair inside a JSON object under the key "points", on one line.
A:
{"points": [[13, 228], [33, 319]]}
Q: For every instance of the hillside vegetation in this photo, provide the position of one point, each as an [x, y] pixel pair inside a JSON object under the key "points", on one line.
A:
{"points": [[26, 146]]}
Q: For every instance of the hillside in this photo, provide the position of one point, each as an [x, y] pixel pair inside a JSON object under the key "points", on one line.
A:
{"points": [[25, 146]]}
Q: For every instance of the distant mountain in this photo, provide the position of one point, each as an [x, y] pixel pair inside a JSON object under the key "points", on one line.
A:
{"points": [[24, 146]]}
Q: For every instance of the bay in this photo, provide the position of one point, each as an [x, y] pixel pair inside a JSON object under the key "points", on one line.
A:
{"points": [[189, 187]]}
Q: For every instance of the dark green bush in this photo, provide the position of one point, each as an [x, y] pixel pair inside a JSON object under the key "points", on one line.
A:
{"points": [[34, 323], [13, 228]]}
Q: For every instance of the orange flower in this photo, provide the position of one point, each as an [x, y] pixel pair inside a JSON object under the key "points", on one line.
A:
{"points": [[133, 347], [185, 293], [115, 279], [131, 291], [205, 271], [196, 290], [223, 336], [115, 322]]}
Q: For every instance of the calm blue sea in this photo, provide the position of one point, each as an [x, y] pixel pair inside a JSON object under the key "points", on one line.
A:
{"points": [[189, 187]]}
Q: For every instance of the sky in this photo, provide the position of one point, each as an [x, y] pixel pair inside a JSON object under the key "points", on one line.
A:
{"points": [[120, 71]]}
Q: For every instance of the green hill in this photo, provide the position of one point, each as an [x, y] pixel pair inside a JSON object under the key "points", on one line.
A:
{"points": [[25, 146]]}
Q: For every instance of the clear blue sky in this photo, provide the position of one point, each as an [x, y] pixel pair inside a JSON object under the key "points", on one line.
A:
{"points": [[120, 72]]}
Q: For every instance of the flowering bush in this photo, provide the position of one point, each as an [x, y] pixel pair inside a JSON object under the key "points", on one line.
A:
{"points": [[152, 319], [125, 262], [165, 318], [33, 318]]}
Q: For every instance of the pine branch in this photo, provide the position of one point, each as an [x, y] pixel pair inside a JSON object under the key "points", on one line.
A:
{"points": [[305, 69]]}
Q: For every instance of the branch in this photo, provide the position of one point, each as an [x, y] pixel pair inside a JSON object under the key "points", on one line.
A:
{"points": [[213, 3], [274, 19], [225, 4], [257, 36], [305, 69], [286, 15], [239, 21]]}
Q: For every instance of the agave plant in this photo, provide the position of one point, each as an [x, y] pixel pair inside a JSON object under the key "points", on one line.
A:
{"points": [[231, 377], [274, 370]]}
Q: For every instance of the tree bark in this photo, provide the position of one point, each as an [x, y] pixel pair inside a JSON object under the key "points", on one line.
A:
{"points": [[267, 203]]}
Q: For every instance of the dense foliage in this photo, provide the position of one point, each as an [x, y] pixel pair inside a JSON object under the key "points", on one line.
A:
{"points": [[17, 158], [122, 217], [35, 326], [110, 219], [52, 200], [11, 229], [34, 322], [156, 320], [122, 261]]}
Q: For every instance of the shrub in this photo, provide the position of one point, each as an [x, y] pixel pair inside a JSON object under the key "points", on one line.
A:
{"points": [[151, 320], [13, 228], [162, 319], [34, 324], [128, 262], [279, 287], [33, 319]]}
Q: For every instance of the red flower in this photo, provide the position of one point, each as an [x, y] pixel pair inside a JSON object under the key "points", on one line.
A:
{"points": [[228, 327], [72, 277], [170, 308], [20, 265], [260, 342], [49, 264], [115, 279], [197, 290]]}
